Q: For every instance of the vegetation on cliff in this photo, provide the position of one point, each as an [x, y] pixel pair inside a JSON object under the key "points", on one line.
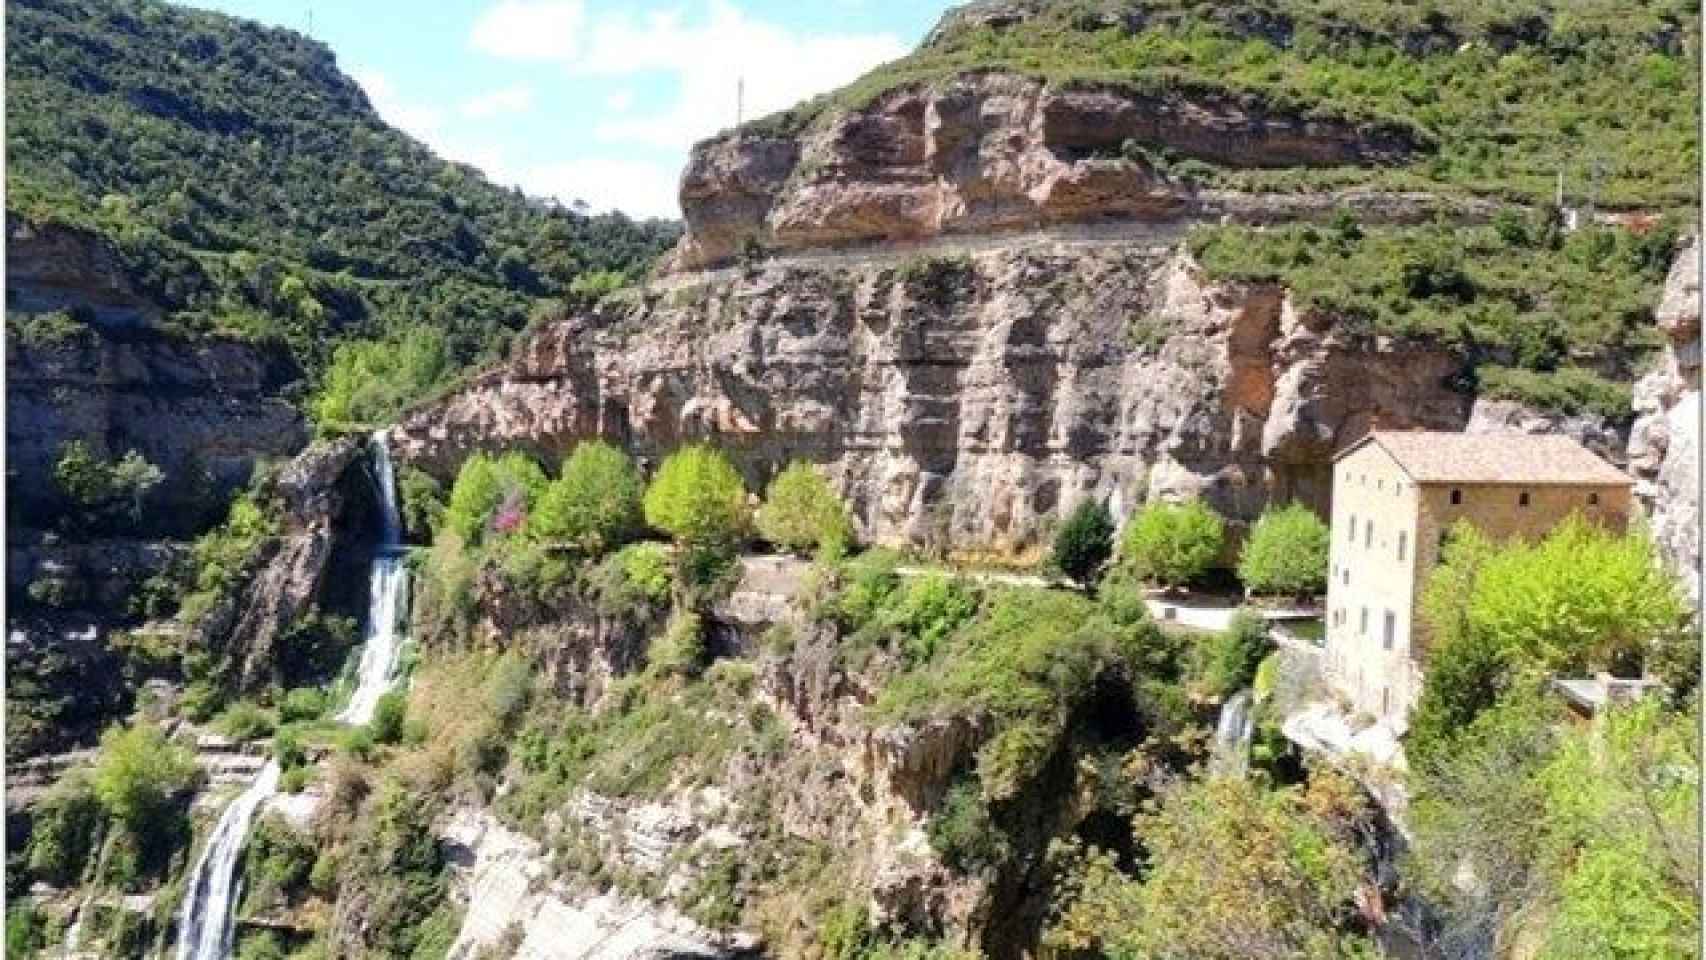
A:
{"points": [[249, 186], [1497, 98]]}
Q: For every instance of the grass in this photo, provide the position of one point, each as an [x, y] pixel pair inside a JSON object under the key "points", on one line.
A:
{"points": [[1498, 98]]}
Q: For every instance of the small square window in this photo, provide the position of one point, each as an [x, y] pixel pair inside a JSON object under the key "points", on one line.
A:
{"points": [[1522, 499], [1456, 497], [1593, 499]]}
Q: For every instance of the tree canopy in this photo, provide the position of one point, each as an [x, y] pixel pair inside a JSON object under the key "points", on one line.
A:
{"points": [[1172, 543]]}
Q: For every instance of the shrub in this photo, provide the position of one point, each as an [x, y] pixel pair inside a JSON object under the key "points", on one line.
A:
{"points": [[1172, 544], [138, 773], [244, 720], [801, 512], [302, 704], [493, 495], [422, 499], [680, 648], [357, 742], [871, 581], [295, 779], [1236, 653], [372, 381], [388, 713], [1084, 541], [63, 831], [1567, 390], [100, 487], [930, 609], [287, 749], [698, 498], [962, 831], [1286, 552], [594, 504]]}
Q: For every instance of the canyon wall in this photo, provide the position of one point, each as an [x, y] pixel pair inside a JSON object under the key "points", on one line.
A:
{"points": [[963, 398]]}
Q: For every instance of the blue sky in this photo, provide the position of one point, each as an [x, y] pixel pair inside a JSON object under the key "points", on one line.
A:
{"points": [[593, 99]]}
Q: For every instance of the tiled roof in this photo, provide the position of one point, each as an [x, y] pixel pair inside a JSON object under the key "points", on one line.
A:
{"points": [[1527, 459]]}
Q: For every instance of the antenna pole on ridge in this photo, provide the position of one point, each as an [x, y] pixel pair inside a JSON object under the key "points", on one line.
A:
{"points": [[740, 100]]}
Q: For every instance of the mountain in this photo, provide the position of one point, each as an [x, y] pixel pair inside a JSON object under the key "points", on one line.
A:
{"points": [[249, 186]]}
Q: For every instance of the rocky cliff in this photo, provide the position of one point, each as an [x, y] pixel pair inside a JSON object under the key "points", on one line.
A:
{"points": [[994, 151], [1664, 446], [964, 397]]}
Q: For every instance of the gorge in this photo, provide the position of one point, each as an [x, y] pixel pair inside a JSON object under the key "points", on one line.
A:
{"points": [[357, 523]]}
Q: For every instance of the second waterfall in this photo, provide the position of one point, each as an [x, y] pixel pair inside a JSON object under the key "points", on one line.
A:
{"points": [[211, 899]]}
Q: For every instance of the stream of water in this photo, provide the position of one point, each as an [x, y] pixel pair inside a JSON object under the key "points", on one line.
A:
{"points": [[1231, 755], [215, 889]]}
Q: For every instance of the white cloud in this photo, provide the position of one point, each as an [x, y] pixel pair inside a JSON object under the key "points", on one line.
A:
{"points": [[419, 120], [779, 67], [516, 99], [530, 29], [708, 56], [636, 187]]}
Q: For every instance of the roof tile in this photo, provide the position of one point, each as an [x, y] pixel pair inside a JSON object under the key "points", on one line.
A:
{"points": [[1471, 458]]}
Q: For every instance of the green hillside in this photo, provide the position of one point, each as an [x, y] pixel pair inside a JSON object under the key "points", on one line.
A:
{"points": [[1500, 96], [251, 186]]}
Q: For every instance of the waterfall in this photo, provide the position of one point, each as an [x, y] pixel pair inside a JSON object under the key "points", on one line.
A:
{"points": [[205, 930], [387, 597], [1231, 755]]}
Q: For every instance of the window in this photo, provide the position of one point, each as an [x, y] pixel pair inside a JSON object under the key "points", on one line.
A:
{"points": [[1403, 536], [1347, 574], [1522, 499], [1385, 699], [1353, 528], [1389, 631], [1368, 538], [1362, 622], [1456, 497], [1593, 499]]}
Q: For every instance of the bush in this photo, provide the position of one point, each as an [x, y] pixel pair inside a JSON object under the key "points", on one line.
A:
{"points": [[303, 704], [1172, 544], [138, 773], [930, 609], [594, 505], [698, 498], [372, 381], [1084, 541], [422, 499], [357, 742], [801, 512], [63, 831], [493, 496], [104, 489], [962, 831], [388, 713], [681, 647], [287, 749], [1567, 390], [244, 721], [1286, 553], [1236, 653]]}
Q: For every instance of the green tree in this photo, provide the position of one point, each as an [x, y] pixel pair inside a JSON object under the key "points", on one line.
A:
{"points": [[138, 773], [1286, 552], [388, 715], [1235, 653], [422, 501], [1224, 851], [699, 499], [1172, 543], [1084, 541], [594, 504], [63, 830], [493, 495], [802, 512]]}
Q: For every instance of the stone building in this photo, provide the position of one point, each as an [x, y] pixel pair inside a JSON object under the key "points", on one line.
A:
{"points": [[1395, 494]]}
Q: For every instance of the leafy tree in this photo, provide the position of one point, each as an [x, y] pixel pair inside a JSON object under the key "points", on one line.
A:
{"points": [[1224, 851], [1286, 552], [1172, 543], [493, 495], [594, 504], [63, 830], [138, 772], [802, 512], [699, 499], [1236, 653], [100, 487], [1084, 541], [422, 501], [302, 704], [371, 381], [388, 714]]}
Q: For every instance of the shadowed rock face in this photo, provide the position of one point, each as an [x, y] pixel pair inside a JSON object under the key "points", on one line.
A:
{"points": [[962, 401], [1664, 444], [988, 152]]}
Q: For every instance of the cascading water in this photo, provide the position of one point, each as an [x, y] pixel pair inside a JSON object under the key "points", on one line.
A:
{"points": [[205, 930], [1231, 755], [382, 650]]}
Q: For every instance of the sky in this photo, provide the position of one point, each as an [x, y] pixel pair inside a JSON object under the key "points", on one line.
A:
{"points": [[597, 100]]}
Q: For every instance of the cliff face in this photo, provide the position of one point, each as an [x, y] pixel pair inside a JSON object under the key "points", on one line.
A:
{"points": [[1664, 445], [962, 399], [989, 152], [202, 409]]}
